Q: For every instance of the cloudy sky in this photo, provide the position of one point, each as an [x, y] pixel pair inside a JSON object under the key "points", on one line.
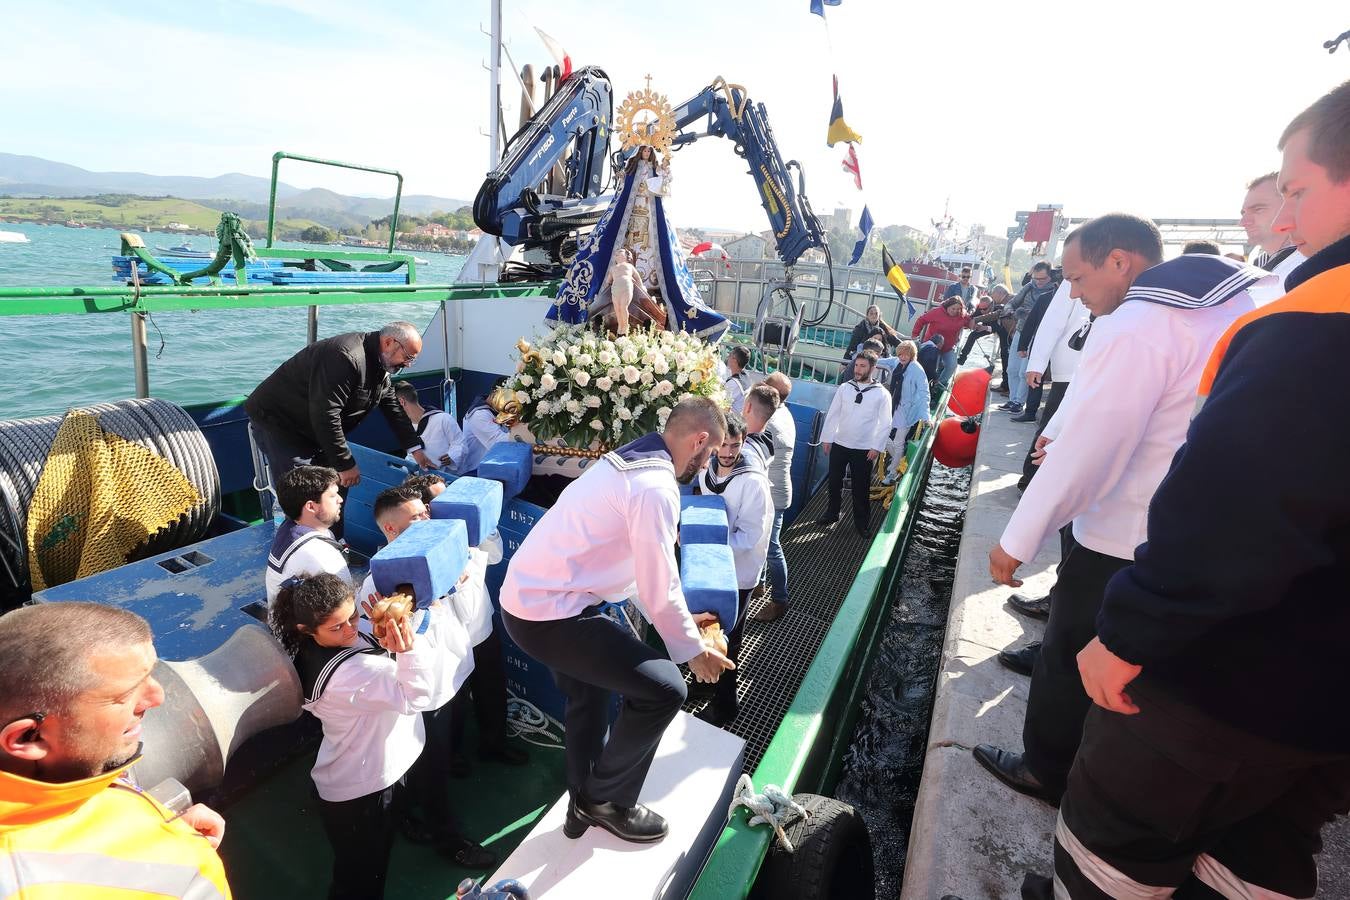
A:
{"points": [[1158, 108]]}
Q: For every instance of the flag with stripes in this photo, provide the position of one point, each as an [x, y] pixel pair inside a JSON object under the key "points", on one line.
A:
{"points": [[839, 130], [897, 277], [559, 54], [851, 166], [865, 226]]}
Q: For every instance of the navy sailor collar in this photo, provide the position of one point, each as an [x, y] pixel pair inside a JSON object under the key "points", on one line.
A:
{"points": [[1194, 281], [647, 452], [1330, 257]]}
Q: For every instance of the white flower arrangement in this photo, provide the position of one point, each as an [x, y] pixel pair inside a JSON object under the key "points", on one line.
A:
{"points": [[584, 388]]}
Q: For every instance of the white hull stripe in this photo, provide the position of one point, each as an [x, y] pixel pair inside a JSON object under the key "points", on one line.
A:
{"points": [[83, 872]]}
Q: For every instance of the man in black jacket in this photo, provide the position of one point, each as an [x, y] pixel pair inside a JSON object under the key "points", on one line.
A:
{"points": [[1219, 744], [302, 412]]}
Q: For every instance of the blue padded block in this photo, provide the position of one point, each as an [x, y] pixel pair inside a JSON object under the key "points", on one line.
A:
{"points": [[477, 502], [509, 462], [708, 576], [430, 555], [703, 519]]}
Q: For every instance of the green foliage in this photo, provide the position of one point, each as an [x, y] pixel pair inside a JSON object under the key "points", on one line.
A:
{"points": [[318, 234]]}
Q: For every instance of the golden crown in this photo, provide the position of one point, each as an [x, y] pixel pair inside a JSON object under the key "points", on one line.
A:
{"points": [[656, 130]]}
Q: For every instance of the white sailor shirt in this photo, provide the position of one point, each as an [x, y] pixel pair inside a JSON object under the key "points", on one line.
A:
{"points": [[736, 387], [745, 491], [859, 417], [610, 530], [439, 433]]}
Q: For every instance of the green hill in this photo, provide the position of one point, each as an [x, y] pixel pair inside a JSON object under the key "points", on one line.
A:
{"points": [[126, 211]]}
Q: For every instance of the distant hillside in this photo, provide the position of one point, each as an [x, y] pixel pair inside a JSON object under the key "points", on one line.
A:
{"points": [[31, 176], [135, 213]]}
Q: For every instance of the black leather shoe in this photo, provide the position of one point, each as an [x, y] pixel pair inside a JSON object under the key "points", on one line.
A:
{"points": [[1010, 769], [864, 531], [637, 824], [827, 519], [468, 854], [511, 756], [1038, 608], [1022, 660], [1037, 887], [1022, 418]]}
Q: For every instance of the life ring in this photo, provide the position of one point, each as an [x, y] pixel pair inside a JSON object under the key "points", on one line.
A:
{"points": [[831, 858]]}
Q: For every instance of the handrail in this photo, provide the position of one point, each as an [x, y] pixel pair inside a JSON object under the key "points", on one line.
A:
{"points": [[272, 198], [740, 850]]}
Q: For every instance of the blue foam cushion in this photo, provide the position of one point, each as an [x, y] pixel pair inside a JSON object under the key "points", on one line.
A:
{"points": [[708, 576], [477, 502], [509, 462], [703, 519], [430, 556]]}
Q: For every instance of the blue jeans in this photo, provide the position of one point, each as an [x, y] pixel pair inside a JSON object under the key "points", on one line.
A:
{"points": [[776, 562], [1017, 375], [947, 370]]}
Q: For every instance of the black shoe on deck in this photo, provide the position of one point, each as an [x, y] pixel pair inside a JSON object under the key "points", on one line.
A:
{"points": [[1011, 769], [1022, 660], [717, 714], [1037, 608], [637, 824]]}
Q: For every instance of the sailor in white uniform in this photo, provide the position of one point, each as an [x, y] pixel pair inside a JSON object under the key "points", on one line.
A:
{"points": [[737, 381], [611, 529], [855, 432], [303, 544], [481, 431], [438, 429]]}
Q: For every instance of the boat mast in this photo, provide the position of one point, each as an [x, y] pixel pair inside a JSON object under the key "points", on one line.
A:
{"points": [[495, 88]]}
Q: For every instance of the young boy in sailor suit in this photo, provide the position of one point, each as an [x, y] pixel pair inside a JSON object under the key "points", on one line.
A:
{"points": [[614, 527], [737, 473], [737, 382], [433, 821], [303, 545], [438, 429], [855, 432]]}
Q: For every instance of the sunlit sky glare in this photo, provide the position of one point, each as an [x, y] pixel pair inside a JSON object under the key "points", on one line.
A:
{"points": [[1160, 108]]}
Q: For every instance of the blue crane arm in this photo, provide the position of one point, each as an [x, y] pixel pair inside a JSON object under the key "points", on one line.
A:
{"points": [[728, 113], [577, 116]]}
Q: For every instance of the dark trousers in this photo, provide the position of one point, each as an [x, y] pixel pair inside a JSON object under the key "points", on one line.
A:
{"points": [[592, 657], [485, 693], [860, 471], [361, 832], [429, 778], [285, 451], [1057, 391], [1170, 797], [1057, 702], [724, 692], [974, 337]]}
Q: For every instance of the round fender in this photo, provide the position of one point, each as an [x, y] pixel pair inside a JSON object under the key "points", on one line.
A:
{"points": [[954, 445], [968, 392], [832, 856]]}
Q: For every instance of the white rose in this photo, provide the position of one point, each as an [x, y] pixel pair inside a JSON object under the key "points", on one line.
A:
{"points": [[631, 375], [581, 377], [548, 382], [597, 425], [604, 382], [625, 391], [585, 359], [629, 355], [660, 365], [667, 338], [681, 377], [573, 407], [646, 377], [663, 388], [593, 402], [607, 345], [615, 373], [522, 398], [605, 357], [520, 365], [559, 358], [625, 413], [526, 380], [685, 396]]}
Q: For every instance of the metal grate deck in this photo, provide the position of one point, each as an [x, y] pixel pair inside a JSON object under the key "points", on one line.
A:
{"points": [[822, 563]]}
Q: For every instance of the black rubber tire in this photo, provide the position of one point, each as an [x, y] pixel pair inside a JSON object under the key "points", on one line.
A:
{"points": [[832, 858]]}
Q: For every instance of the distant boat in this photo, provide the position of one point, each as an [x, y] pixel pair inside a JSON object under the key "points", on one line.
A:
{"points": [[184, 251], [13, 237]]}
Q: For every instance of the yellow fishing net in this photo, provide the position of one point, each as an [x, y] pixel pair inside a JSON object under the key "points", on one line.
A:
{"points": [[100, 496]]}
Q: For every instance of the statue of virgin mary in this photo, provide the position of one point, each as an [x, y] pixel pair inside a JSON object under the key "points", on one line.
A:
{"points": [[636, 220]]}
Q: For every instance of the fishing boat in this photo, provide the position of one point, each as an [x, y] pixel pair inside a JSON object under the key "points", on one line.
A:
{"points": [[200, 584], [13, 237]]}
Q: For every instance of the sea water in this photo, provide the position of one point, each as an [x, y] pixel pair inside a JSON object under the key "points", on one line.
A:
{"points": [[56, 362]]}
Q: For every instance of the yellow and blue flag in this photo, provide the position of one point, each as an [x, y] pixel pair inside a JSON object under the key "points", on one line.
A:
{"points": [[839, 130]]}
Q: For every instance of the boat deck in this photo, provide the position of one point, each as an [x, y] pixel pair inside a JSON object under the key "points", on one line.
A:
{"points": [[822, 562]]}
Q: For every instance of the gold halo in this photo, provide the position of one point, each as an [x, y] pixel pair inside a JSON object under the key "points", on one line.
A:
{"points": [[658, 135]]}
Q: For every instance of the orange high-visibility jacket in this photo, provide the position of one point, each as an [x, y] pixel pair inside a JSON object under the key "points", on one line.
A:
{"points": [[99, 839]]}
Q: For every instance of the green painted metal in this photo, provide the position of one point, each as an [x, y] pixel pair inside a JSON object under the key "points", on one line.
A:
{"points": [[272, 198], [46, 301], [797, 746]]}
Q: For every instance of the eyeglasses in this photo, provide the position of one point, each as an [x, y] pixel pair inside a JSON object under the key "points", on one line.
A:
{"points": [[965, 277], [408, 358], [32, 733]]}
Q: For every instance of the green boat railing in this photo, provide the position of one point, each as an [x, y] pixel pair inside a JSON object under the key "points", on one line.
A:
{"points": [[800, 759], [272, 198]]}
